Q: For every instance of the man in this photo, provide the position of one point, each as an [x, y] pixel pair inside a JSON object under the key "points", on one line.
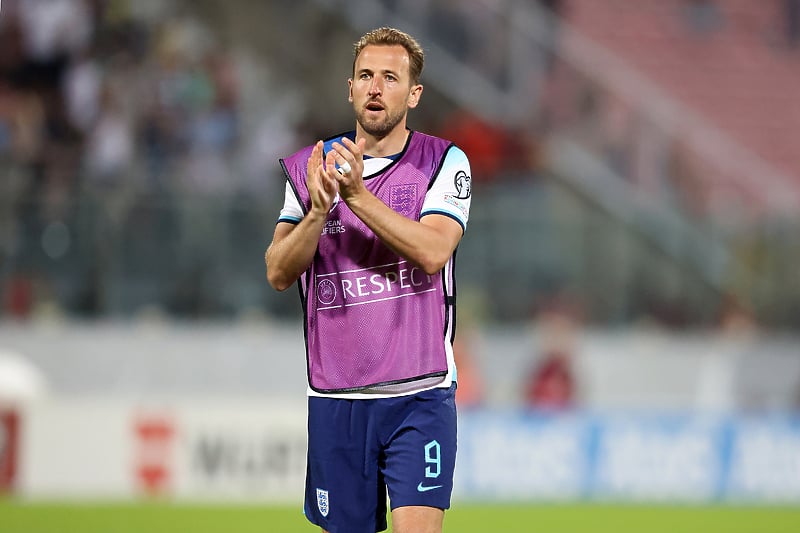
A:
{"points": [[369, 230]]}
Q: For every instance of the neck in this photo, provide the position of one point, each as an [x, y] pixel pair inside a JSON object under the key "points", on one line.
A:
{"points": [[391, 144]]}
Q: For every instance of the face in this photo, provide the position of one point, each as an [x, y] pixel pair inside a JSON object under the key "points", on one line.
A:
{"points": [[381, 89]]}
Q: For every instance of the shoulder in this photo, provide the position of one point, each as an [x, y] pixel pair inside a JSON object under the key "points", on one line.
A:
{"points": [[451, 153], [427, 139], [455, 156], [455, 164]]}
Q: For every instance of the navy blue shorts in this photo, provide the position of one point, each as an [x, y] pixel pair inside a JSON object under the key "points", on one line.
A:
{"points": [[360, 449]]}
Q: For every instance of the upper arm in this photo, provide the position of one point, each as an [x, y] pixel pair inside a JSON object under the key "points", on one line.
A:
{"points": [[450, 194], [291, 214], [447, 227], [278, 273], [292, 211], [282, 230]]}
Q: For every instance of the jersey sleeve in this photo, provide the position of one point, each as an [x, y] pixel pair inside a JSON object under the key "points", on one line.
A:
{"points": [[451, 192], [291, 211]]}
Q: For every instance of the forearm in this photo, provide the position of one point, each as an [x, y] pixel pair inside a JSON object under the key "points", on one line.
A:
{"points": [[422, 245], [291, 253]]}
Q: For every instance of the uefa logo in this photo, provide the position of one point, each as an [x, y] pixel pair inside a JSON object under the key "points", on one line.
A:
{"points": [[326, 292]]}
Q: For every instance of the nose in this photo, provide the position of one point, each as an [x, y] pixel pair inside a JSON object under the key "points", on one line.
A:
{"points": [[375, 86]]}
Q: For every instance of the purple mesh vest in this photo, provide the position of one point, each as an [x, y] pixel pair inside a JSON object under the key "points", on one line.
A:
{"points": [[373, 320]]}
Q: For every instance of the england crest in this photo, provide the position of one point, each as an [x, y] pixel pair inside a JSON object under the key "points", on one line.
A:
{"points": [[403, 198], [322, 502]]}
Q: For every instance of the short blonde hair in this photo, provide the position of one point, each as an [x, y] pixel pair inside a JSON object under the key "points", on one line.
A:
{"points": [[390, 36]]}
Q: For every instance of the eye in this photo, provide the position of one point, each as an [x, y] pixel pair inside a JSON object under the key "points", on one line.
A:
{"points": [[390, 77], [364, 76]]}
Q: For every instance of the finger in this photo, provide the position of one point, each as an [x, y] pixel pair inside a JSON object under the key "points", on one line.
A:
{"points": [[343, 153], [316, 153], [330, 185], [330, 164], [344, 168], [355, 148], [349, 145], [343, 159], [314, 160]]}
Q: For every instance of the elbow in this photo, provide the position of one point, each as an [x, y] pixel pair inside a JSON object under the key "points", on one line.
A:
{"points": [[432, 254], [276, 278], [432, 264], [277, 282], [431, 269]]}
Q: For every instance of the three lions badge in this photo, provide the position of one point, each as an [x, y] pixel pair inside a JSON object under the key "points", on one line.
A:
{"points": [[322, 502]]}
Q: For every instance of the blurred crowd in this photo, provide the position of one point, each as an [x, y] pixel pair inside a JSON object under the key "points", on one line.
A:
{"points": [[581, 95], [89, 83], [99, 83], [106, 101], [111, 110], [127, 143]]}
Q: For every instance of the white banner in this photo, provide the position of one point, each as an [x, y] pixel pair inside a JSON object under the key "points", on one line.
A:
{"points": [[248, 450], [255, 450]]}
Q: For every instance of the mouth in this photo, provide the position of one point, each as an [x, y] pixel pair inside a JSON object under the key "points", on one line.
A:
{"points": [[374, 106]]}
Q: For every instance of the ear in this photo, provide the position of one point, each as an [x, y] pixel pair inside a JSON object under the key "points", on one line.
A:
{"points": [[349, 89], [414, 96]]}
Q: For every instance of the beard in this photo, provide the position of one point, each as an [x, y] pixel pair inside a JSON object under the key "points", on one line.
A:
{"points": [[381, 127]]}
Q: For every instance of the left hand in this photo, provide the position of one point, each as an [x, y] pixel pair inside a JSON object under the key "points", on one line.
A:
{"points": [[352, 153]]}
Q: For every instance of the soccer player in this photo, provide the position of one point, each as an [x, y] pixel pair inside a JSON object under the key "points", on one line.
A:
{"points": [[369, 229]]}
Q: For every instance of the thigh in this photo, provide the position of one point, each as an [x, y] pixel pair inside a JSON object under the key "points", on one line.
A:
{"points": [[345, 492], [420, 454]]}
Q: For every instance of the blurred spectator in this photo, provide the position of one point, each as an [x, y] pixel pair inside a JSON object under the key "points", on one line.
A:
{"points": [[25, 293], [551, 383], [551, 386], [18, 296], [470, 392], [54, 29], [21, 124], [110, 142], [736, 318], [492, 149], [82, 89]]}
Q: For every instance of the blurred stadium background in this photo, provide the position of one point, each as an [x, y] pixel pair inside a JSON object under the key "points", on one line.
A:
{"points": [[629, 292]]}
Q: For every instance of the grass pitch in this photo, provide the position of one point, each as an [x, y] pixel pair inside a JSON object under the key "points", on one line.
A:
{"points": [[17, 517]]}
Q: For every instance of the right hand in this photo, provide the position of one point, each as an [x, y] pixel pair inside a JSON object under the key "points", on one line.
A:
{"points": [[322, 187]]}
